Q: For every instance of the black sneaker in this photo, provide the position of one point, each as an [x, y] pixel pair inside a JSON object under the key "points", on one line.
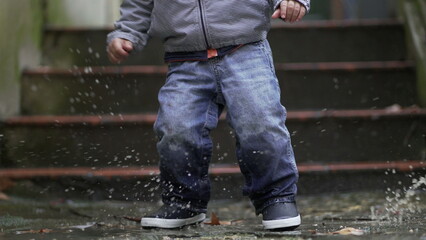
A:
{"points": [[281, 217], [171, 217]]}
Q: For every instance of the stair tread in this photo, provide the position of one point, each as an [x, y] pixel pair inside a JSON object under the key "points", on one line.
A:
{"points": [[276, 24], [213, 170], [149, 118], [133, 89], [162, 69], [349, 23]]}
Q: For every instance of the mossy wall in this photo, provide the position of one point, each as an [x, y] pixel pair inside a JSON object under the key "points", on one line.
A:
{"points": [[82, 13], [21, 24]]}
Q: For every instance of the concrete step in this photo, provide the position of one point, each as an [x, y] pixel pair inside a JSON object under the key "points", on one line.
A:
{"points": [[320, 137], [133, 89], [312, 41], [227, 181]]}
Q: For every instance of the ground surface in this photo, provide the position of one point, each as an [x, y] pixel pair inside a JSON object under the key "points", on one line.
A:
{"points": [[373, 215]]}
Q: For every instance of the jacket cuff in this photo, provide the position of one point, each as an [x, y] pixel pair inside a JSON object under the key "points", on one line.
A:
{"points": [[277, 3], [305, 3], [138, 44]]}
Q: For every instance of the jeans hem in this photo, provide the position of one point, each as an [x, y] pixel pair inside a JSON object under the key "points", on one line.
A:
{"points": [[186, 205]]}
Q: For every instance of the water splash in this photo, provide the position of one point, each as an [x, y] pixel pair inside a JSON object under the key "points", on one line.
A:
{"points": [[404, 204]]}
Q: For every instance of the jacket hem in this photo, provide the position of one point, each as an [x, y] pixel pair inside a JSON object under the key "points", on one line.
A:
{"points": [[214, 45]]}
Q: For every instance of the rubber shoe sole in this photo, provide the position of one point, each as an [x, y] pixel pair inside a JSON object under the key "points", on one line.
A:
{"points": [[171, 223], [287, 224]]}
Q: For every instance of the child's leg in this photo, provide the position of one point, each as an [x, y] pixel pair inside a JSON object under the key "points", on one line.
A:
{"points": [[188, 111], [264, 150]]}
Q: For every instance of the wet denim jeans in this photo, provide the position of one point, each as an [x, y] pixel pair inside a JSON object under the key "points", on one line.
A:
{"points": [[191, 101]]}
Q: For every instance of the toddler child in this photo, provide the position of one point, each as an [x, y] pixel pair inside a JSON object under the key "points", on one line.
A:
{"points": [[218, 56]]}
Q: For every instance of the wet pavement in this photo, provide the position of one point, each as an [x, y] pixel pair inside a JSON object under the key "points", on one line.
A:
{"points": [[366, 215]]}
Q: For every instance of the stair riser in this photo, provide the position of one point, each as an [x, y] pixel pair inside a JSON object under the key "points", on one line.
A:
{"points": [[88, 48], [223, 186], [315, 141], [362, 89], [90, 94], [317, 89], [311, 44], [372, 43]]}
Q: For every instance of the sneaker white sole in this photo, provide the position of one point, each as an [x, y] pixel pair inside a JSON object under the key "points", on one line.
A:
{"points": [[282, 223], [171, 223]]}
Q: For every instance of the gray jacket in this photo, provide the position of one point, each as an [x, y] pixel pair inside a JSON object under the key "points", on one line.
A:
{"points": [[194, 25]]}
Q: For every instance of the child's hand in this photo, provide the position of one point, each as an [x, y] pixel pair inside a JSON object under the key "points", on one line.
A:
{"points": [[290, 11], [119, 49]]}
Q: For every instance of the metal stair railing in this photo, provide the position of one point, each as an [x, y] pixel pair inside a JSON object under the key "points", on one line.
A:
{"points": [[413, 13]]}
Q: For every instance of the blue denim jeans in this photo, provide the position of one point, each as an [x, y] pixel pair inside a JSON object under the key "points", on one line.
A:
{"points": [[191, 101]]}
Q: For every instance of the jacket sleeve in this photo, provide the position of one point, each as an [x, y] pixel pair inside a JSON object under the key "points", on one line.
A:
{"points": [[134, 23], [306, 3]]}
